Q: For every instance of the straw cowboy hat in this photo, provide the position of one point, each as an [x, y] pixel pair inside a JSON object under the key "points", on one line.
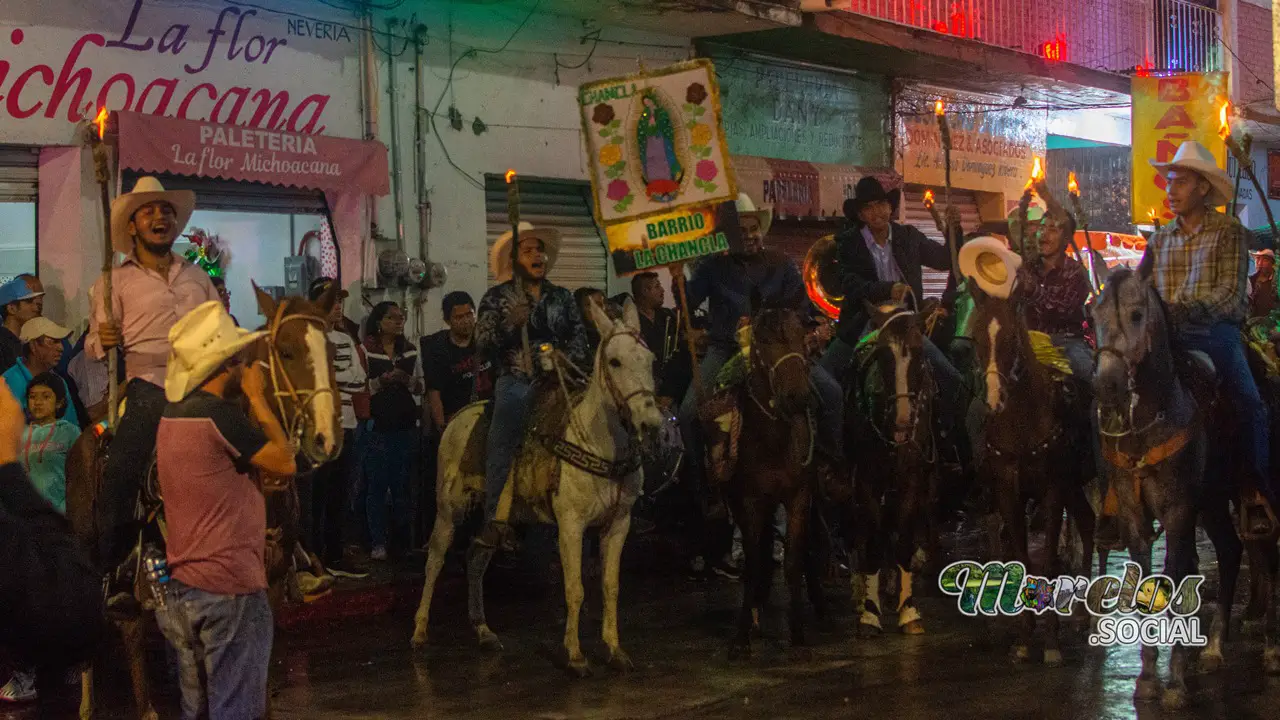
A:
{"points": [[500, 254], [991, 264], [199, 344], [747, 207], [147, 190], [1194, 156]]}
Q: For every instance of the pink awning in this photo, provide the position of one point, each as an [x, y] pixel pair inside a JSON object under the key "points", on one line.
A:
{"points": [[152, 143]]}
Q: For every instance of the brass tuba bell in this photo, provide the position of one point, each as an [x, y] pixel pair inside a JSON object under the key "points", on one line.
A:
{"points": [[822, 277]]}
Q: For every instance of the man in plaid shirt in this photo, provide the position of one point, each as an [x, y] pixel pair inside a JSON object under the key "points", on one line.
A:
{"points": [[1199, 264]]}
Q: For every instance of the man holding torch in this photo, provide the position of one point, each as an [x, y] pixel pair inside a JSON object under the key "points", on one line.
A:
{"points": [[151, 290]]}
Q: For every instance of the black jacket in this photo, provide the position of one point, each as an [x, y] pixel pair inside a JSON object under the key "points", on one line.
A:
{"points": [[858, 278]]}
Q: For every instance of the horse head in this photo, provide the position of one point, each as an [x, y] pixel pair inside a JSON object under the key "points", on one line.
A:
{"points": [[778, 359], [1129, 320], [299, 363], [624, 368], [899, 358], [1001, 344]]}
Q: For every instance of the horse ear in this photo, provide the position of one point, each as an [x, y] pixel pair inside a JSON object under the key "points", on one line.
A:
{"points": [[599, 317], [266, 303], [631, 316], [873, 312], [328, 297]]}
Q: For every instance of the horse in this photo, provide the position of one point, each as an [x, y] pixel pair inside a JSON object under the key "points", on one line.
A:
{"points": [[300, 375], [596, 459], [1033, 437], [889, 420], [1158, 433], [775, 467]]}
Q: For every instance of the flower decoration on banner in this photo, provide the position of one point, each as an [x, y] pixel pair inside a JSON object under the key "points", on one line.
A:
{"points": [[700, 136], [206, 252], [611, 156]]}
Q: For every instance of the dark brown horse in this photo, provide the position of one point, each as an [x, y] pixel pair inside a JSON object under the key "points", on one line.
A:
{"points": [[1158, 432], [1035, 442], [775, 467], [299, 366], [889, 423]]}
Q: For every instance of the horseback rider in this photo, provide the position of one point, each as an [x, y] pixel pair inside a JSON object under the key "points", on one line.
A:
{"points": [[1199, 266], [151, 290], [516, 316], [1055, 290]]}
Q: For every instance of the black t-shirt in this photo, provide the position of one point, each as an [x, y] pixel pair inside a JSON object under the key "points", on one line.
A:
{"points": [[10, 348], [453, 371]]}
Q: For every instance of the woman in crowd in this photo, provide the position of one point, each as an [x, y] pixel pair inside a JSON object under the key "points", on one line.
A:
{"points": [[393, 436]]}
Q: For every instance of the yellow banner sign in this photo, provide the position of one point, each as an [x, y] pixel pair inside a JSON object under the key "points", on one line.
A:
{"points": [[673, 238], [1168, 111]]}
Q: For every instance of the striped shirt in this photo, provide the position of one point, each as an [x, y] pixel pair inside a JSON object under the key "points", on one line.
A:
{"points": [[348, 371], [1201, 273]]}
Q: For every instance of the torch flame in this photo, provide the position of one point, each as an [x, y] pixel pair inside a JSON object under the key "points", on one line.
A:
{"points": [[101, 122], [1037, 170], [1152, 214], [1224, 128], [1072, 186], [928, 198], [511, 176], [939, 108]]}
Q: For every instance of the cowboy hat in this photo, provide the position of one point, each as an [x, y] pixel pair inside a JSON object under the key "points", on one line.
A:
{"points": [[500, 254], [146, 190], [747, 207], [1196, 157], [991, 264], [200, 343], [869, 190]]}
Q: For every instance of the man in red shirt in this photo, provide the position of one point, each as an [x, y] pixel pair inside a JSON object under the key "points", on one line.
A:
{"points": [[1057, 290], [208, 454]]}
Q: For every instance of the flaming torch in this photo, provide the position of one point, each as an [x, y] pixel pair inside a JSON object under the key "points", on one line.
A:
{"points": [[1240, 151], [1073, 191], [933, 211], [96, 136], [950, 233], [513, 216], [1024, 203], [1154, 217]]}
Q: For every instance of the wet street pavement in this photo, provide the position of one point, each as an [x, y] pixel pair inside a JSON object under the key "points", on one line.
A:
{"points": [[677, 633]]}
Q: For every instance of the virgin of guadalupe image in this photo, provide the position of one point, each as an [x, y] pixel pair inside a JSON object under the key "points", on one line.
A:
{"points": [[660, 168]]}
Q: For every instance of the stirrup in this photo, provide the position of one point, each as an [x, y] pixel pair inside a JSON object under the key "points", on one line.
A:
{"points": [[497, 535], [1247, 506]]}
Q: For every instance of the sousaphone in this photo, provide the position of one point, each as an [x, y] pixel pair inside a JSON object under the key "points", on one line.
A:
{"points": [[822, 277]]}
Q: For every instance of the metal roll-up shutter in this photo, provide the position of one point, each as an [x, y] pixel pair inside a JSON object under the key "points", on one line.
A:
{"points": [[935, 281], [19, 168], [794, 238], [239, 196], [561, 204]]}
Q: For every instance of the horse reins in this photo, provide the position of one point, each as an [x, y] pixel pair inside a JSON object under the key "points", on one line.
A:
{"points": [[913, 399], [301, 400], [770, 374]]}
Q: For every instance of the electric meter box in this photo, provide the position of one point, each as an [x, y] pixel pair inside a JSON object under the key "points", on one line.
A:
{"points": [[299, 272]]}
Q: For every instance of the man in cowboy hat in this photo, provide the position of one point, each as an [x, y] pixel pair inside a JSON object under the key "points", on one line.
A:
{"points": [[1199, 265], [1263, 298], [216, 615], [151, 290], [523, 300]]}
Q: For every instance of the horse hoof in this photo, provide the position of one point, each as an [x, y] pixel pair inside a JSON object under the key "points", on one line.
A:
{"points": [[1020, 653], [1211, 662], [489, 641], [619, 662], [578, 669], [1271, 661], [1146, 690], [1053, 658], [1174, 699], [915, 627]]}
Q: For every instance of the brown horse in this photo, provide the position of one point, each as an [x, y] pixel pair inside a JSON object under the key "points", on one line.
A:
{"points": [[775, 467], [889, 422], [1159, 432], [300, 374], [1033, 438]]}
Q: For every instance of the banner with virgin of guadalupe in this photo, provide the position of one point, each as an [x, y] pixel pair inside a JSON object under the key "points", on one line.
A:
{"points": [[656, 147]]}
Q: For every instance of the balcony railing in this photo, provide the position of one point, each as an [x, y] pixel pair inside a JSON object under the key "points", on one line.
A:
{"points": [[1115, 35]]}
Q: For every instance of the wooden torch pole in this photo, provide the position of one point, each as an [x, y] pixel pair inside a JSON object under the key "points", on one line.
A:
{"points": [[102, 173]]}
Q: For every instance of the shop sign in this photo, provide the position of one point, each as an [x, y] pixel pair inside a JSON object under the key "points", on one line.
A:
{"points": [[805, 115], [800, 189], [243, 65], [991, 151], [674, 238], [1168, 111]]}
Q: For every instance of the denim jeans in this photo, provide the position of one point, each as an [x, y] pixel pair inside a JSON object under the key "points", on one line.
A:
{"points": [[839, 356], [1223, 344], [390, 454], [512, 401], [223, 643]]}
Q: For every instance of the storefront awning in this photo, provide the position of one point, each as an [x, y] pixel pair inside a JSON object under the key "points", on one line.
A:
{"points": [[803, 189], [152, 143]]}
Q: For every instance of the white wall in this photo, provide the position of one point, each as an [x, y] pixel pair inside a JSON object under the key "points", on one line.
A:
{"points": [[1112, 126], [17, 239]]}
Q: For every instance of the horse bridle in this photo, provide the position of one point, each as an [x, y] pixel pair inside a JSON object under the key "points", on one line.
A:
{"points": [[770, 374], [913, 398], [1131, 375], [621, 401], [284, 388]]}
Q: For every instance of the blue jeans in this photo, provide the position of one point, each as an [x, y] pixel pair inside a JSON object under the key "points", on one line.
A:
{"points": [[512, 398], [387, 469], [1223, 344], [223, 644], [839, 356]]}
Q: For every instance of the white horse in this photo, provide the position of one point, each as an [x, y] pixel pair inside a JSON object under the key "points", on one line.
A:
{"points": [[617, 412]]}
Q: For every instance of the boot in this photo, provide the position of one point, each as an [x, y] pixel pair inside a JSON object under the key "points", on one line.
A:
{"points": [[1257, 519], [498, 535]]}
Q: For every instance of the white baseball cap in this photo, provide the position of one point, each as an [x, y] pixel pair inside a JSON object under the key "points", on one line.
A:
{"points": [[39, 327]]}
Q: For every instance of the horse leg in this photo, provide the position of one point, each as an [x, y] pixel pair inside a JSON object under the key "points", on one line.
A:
{"points": [[817, 559], [753, 521], [1078, 507], [132, 632], [1014, 517], [1271, 652], [611, 542], [478, 557], [1147, 686], [794, 559], [908, 509], [866, 574], [1180, 539], [86, 692], [437, 550], [1216, 519], [571, 562]]}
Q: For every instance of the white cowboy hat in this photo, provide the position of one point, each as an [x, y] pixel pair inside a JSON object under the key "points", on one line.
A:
{"points": [[146, 190], [199, 344], [747, 206], [1194, 156], [991, 264], [500, 254]]}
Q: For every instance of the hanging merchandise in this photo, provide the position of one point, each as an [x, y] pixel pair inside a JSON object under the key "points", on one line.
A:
{"points": [[206, 252]]}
